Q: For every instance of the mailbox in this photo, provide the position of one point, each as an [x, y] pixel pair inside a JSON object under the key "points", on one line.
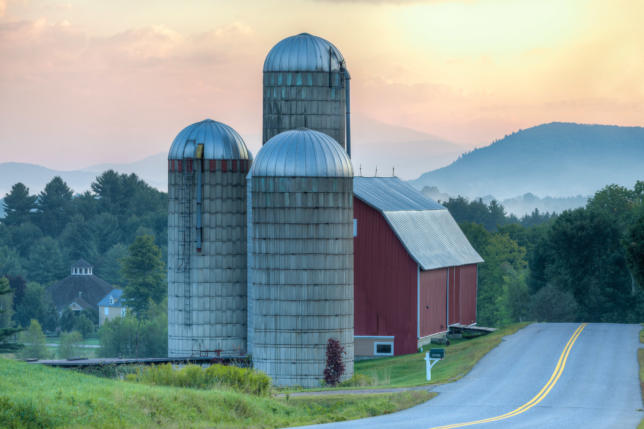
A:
{"points": [[437, 353]]}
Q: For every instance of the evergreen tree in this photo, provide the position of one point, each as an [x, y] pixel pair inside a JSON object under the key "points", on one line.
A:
{"points": [[54, 206], [6, 332], [46, 263], [78, 241], [634, 243], [109, 265], [144, 273], [18, 205]]}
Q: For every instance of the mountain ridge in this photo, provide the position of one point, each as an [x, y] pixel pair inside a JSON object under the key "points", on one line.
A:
{"points": [[558, 159]]}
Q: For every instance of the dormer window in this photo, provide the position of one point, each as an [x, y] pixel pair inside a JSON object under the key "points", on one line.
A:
{"points": [[111, 299]]}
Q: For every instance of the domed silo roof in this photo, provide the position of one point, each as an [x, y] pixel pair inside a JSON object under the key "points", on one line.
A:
{"points": [[302, 153], [220, 142], [303, 52]]}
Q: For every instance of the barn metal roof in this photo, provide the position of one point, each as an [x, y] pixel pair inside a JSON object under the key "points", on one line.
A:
{"points": [[303, 52], [392, 194], [220, 142], [302, 153], [425, 228]]}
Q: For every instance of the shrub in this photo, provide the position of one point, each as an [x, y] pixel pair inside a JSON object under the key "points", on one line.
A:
{"points": [[240, 379], [69, 345], [553, 305], [359, 380], [334, 362], [34, 341]]}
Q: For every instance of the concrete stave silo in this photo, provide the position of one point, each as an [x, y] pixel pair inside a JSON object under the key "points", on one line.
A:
{"points": [[306, 84], [300, 256], [207, 167]]}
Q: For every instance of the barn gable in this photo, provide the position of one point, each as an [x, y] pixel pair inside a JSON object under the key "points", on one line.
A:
{"points": [[425, 228]]}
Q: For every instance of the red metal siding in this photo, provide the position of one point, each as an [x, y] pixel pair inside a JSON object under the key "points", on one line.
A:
{"points": [[433, 295], [467, 286], [454, 295], [385, 280]]}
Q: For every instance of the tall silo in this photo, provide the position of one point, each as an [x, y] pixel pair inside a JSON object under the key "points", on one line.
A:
{"points": [[306, 84], [207, 167], [301, 261]]}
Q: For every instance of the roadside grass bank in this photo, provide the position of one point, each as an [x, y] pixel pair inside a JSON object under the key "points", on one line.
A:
{"points": [[409, 370], [34, 396]]}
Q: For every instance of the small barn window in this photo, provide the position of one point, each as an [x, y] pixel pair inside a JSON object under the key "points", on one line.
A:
{"points": [[383, 349], [355, 227], [123, 310], [107, 311]]}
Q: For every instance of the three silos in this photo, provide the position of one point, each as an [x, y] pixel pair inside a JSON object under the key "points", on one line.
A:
{"points": [[207, 167], [294, 211]]}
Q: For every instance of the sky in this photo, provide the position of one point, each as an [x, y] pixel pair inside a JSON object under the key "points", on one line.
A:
{"points": [[87, 82]]}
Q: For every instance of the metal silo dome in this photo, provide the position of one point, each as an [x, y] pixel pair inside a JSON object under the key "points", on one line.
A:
{"points": [[207, 167], [306, 84], [219, 142], [302, 153], [304, 52]]}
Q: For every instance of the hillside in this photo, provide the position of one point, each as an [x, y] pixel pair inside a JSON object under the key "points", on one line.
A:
{"points": [[40, 397], [556, 160]]}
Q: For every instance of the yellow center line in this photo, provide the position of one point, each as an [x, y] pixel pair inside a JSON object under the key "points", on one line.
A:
{"points": [[561, 364]]}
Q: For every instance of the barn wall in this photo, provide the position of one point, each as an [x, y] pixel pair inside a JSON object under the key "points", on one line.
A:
{"points": [[385, 280], [467, 289], [433, 293], [454, 295]]}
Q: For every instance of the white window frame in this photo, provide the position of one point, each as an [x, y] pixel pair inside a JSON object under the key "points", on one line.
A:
{"points": [[384, 343]]}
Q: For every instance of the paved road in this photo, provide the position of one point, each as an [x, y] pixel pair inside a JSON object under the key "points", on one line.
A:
{"points": [[598, 387]]}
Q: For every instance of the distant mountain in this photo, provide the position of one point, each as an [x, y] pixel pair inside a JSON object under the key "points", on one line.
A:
{"points": [[556, 160], [153, 169], [35, 177], [394, 149]]}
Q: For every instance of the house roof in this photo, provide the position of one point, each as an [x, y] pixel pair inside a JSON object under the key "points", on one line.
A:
{"points": [[90, 288], [81, 263], [114, 293], [425, 228], [82, 303]]}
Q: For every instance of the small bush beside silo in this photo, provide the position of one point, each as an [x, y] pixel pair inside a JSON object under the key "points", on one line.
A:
{"points": [[240, 379]]}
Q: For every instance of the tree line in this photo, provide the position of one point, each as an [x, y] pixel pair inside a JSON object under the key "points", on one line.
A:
{"points": [[120, 226], [585, 264]]}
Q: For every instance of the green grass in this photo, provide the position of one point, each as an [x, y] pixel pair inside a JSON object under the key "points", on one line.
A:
{"points": [[38, 396], [409, 370]]}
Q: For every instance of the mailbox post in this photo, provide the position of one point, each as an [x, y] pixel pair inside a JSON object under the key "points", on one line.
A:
{"points": [[431, 358]]}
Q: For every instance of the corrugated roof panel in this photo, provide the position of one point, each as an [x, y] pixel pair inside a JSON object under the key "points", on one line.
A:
{"points": [[432, 238], [392, 194]]}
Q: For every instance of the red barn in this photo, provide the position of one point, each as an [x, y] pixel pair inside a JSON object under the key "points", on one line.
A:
{"points": [[415, 273]]}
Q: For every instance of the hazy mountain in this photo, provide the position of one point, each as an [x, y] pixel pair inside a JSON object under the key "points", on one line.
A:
{"points": [[556, 160], [153, 169], [35, 177], [409, 152], [526, 204]]}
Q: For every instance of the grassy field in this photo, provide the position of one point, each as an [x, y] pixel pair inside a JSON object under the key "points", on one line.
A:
{"points": [[37, 396], [409, 370]]}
